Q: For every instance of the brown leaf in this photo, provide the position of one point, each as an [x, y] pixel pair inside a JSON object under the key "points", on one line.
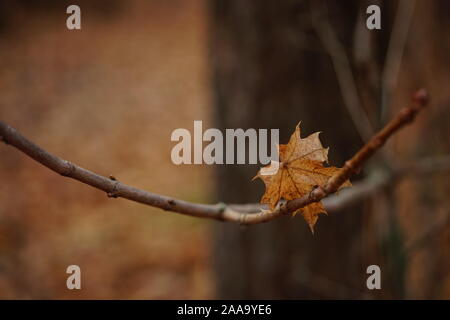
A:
{"points": [[299, 171], [311, 213]]}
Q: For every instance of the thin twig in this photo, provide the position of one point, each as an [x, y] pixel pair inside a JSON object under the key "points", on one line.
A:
{"points": [[335, 202], [434, 229], [344, 73], [394, 54], [115, 188], [378, 179], [327, 287], [429, 165]]}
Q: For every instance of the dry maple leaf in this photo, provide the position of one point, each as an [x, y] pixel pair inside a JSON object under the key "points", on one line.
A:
{"points": [[299, 171]]}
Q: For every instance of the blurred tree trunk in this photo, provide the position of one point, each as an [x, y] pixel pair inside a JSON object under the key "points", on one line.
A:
{"points": [[270, 71]]}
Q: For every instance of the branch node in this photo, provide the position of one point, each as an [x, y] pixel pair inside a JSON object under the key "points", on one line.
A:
{"points": [[349, 164], [69, 169], [316, 194], [282, 207], [2, 138], [242, 218], [221, 207], [377, 143], [113, 193]]}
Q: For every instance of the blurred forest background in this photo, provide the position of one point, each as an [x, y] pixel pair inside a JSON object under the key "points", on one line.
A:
{"points": [[109, 96]]}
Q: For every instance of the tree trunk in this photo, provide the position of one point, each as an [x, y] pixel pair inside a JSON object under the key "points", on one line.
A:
{"points": [[270, 71]]}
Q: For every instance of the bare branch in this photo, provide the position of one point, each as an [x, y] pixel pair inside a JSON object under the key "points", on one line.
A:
{"points": [[344, 74], [335, 202], [429, 165], [377, 180], [394, 54], [115, 188], [424, 238]]}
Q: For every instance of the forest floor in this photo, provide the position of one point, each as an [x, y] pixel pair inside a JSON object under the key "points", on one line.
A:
{"points": [[107, 98]]}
